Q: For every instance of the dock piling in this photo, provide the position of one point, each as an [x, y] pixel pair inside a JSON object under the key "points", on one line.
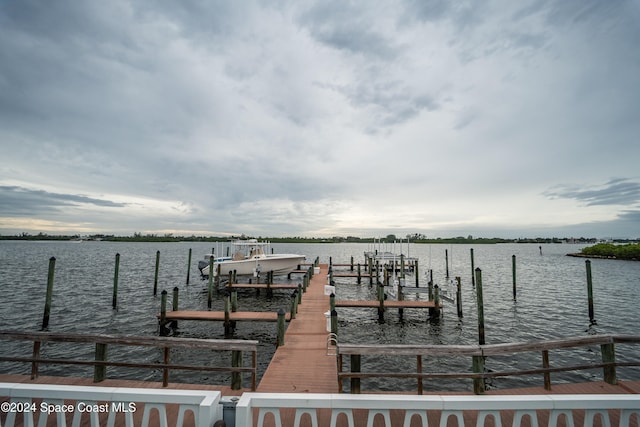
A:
{"points": [[155, 280], [281, 329], [459, 296], [478, 281], [590, 293], [210, 284], [100, 371], [473, 278], [189, 266], [47, 302], [114, 298], [513, 271]]}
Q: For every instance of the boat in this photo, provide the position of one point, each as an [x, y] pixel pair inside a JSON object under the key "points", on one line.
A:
{"points": [[250, 257]]}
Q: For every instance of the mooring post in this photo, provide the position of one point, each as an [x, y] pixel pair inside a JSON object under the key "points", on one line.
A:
{"points": [[478, 368], [227, 316], [430, 285], [100, 371], [234, 300], [417, 273], [359, 275], [609, 359], [446, 262], [299, 293], [305, 282], [592, 318], [478, 280], [513, 271], [334, 322], [210, 285], [155, 279], [473, 279], [269, 283], [355, 367], [47, 301], [436, 301], [292, 307], [370, 271], [546, 365], [114, 298], [459, 296], [351, 262], [163, 313], [381, 301], [236, 377], [189, 266], [281, 320], [174, 306]]}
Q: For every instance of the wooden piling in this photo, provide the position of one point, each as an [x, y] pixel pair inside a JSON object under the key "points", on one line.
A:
{"points": [[334, 322], [459, 296], [210, 284], [609, 358], [47, 301], [380, 288], [446, 262], [100, 371], [417, 274], [592, 318], [163, 313], [473, 278], [114, 298], [436, 301], [359, 275], [236, 377], [513, 273], [189, 266], [174, 306], [228, 330], [351, 262], [234, 300], [478, 368], [155, 280], [281, 329], [355, 367], [478, 280]]}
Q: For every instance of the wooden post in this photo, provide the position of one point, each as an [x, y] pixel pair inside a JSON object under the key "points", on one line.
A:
{"points": [[459, 296], [351, 262], [163, 313], [473, 279], [359, 275], [36, 355], [381, 301], [174, 306], [430, 285], [478, 280], [227, 316], [305, 282], [299, 293], [590, 293], [402, 266], [545, 365], [155, 279], [165, 370], [236, 377], [189, 266], [446, 262], [609, 356], [234, 300], [281, 320], [436, 301], [47, 301], [370, 271], [419, 370], [292, 308], [210, 284], [513, 271], [114, 298], [100, 371], [355, 367], [334, 321], [269, 283], [478, 368], [417, 274]]}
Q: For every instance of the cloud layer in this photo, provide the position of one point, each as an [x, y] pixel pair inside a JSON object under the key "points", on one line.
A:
{"points": [[320, 118]]}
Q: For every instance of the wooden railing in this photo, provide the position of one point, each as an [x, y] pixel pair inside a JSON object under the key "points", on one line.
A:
{"points": [[479, 354], [100, 362]]}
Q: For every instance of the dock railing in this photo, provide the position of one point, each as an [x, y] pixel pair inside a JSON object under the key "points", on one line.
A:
{"points": [[479, 355], [101, 361]]}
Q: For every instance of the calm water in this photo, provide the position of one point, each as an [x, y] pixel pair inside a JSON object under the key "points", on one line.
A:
{"points": [[551, 303]]}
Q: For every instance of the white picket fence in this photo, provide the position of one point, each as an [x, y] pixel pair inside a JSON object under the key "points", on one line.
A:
{"points": [[626, 406], [53, 401]]}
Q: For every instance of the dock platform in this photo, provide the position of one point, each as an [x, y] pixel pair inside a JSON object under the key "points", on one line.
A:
{"points": [[219, 316]]}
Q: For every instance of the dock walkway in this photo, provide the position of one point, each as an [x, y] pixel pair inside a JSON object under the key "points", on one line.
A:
{"points": [[302, 363]]}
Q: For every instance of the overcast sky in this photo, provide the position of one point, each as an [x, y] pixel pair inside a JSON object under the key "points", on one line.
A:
{"points": [[321, 118]]}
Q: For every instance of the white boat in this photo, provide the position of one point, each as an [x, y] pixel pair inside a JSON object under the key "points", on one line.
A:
{"points": [[250, 257]]}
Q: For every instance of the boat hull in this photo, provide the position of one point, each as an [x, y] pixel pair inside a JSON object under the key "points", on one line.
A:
{"points": [[279, 264]]}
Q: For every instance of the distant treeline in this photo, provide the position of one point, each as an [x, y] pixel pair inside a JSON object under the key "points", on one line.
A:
{"points": [[629, 251], [415, 238]]}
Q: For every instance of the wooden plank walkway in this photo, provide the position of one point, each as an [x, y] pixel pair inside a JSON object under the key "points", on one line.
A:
{"points": [[218, 316], [274, 286], [302, 365], [387, 304]]}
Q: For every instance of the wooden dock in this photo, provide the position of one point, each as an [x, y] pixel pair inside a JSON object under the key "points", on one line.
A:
{"points": [[302, 365], [387, 304], [219, 316]]}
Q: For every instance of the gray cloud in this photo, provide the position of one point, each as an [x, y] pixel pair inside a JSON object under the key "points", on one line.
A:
{"points": [[620, 191]]}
